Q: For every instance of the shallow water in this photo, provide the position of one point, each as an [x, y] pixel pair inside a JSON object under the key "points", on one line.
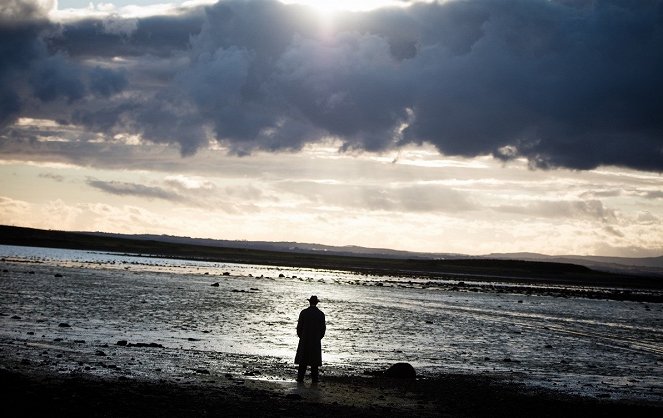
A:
{"points": [[589, 346]]}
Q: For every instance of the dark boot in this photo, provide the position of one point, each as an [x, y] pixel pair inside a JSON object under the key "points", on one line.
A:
{"points": [[314, 374], [301, 371]]}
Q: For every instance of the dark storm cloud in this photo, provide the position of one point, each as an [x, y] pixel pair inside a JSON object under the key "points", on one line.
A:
{"points": [[114, 36], [31, 73], [565, 83]]}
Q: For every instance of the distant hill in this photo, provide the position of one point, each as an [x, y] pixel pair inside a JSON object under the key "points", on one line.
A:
{"points": [[562, 269], [648, 265], [643, 265], [350, 250]]}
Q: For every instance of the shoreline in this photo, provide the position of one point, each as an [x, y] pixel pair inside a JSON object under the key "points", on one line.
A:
{"points": [[468, 268], [459, 282]]}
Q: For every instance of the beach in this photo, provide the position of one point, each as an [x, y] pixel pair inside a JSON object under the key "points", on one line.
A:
{"points": [[110, 335], [32, 391]]}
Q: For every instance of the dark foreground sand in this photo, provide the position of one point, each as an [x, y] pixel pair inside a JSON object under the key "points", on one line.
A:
{"points": [[29, 392]]}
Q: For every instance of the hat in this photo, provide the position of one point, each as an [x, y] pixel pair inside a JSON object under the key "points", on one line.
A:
{"points": [[313, 299]]}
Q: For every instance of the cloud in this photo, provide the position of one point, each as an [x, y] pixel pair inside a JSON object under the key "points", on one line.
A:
{"points": [[646, 218], [188, 183], [57, 177], [562, 83], [578, 209], [655, 194], [133, 189], [19, 10], [34, 73], [388, 198]]}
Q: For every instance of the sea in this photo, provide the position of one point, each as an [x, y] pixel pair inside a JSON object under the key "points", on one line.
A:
{"points": [[588, 346]]}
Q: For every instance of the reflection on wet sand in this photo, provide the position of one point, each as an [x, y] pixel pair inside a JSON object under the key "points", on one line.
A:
{"points": [[246, 324]]}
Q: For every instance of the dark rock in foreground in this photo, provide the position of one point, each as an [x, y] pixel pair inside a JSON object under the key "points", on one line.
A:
{"points": [[401, 371]]}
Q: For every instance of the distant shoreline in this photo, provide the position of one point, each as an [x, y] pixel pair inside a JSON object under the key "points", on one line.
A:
{"points": [[471, 269]]}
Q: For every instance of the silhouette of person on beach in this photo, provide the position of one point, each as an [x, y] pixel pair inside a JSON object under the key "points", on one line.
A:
{"points": [[310, 330]]}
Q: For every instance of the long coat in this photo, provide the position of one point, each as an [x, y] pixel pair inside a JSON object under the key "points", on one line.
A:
{"points": [[310, 330]]}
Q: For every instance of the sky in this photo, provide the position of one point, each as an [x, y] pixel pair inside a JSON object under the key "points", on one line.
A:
{"points": [[458, 126]]}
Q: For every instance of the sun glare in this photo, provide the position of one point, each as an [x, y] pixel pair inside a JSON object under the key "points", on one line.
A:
{"points": [[330, 7]]}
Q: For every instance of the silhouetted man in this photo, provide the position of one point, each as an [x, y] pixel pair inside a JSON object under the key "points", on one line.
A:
{"points": [[310, 330]]}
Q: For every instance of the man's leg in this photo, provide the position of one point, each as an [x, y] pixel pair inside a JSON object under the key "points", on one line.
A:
{"points": [[301, 371], [314, 373]]}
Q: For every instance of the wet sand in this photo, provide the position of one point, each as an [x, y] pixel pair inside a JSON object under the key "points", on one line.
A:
{"points": [[35, 393], [66, 378], [114, 342]]}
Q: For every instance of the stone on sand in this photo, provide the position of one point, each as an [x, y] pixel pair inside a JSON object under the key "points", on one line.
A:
{"points": [[401, 371]]}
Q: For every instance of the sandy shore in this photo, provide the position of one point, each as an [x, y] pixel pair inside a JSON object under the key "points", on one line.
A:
{"points": [[43, 381], [44, 394], [114, 342]]}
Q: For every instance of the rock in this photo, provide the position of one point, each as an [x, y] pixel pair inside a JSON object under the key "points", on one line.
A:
{"points": [[225, 273], [192, 339], [99, 353], [64, 325], [281, 275], [151, 345], [16, 317], [202, 371], [401, 371], [252, 373], [215, 284], [58, 275], [122, 343]]}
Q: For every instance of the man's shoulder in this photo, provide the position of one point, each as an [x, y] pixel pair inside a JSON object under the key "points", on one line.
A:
{"points": [[312, 310]]}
